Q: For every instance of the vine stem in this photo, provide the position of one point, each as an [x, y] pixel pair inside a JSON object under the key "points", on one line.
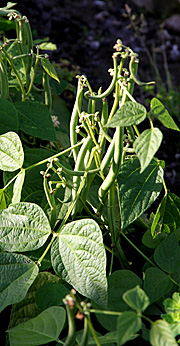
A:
{"points": [[54, 156]]}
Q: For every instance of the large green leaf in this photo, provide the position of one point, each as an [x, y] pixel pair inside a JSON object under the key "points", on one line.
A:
{"points": [[27, 308], [40, 330], [17, 273], [167, 254], [156, 284], [51, 294], [49, 68], [8, 117], [162, 114], [161, 334], [2, 199], [136, 298], [23, 226], [118, 283], [11, 152], [137, 191], [17, 188], [146, 145], [131, 113], [79, 257], [128, 324], [35, 120]]}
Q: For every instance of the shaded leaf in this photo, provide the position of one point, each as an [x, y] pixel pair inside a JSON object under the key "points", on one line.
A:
{"points": [[23, 227], [51, 294], [128, 324], [8, 114], [167, 254], [137, 191], [35, 120], [146, 145], [17, 273], [118, 283], [40, 330], [156, 284]]}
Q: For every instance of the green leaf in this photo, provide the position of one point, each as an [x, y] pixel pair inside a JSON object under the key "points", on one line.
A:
{"points": [[6, 25], [162, 114], [161, 334], [79, 257], [17, 188], [11, 152], [172, 212], [2, 199], [156, 284], [51, 294], [137, 191], [17, 273], [172, 305], [35, 120], [136, 298], [8, 116], [27, 308], [40, 330], [131, 113], [128, 324], [167, 254], [23, 226], [157, 222], [118, 283], [47, 46], [146, 145], [48, 67]]}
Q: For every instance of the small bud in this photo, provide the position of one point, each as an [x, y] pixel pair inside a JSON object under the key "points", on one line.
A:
{"points": [[42, 172]]}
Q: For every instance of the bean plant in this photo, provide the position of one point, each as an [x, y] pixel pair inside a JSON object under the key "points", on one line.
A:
{"points": [[76, 194]]}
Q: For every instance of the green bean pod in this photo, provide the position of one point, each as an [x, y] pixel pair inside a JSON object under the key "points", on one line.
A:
{"points": [[4, 87], [108, 156], [29, 50], [133, 61], [80, 166], [51, 201], [104, 119], [22, 31], [116, 163], [88, 95], [75, 118], [47, 91]]}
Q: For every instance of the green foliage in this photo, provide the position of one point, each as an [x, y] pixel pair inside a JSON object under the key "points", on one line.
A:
{"points": [[79, 216]]}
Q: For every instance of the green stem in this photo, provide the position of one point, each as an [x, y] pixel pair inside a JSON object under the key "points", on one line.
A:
{"points": [[54, 156], [71, 324], [15, 72]]}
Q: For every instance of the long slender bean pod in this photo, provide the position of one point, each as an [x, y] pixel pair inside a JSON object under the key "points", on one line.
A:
{"points": [[75, 118], [79, 166], [111, 86], [30, 51], [137, 81], [117, 160], [47, 91], [4, 88]]}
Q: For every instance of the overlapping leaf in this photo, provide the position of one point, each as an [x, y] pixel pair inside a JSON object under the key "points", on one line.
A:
{"points": [[131, 113], [11, 152], [17, 273], [137, 191], [162, 114], [23, 227], [146, 145], [40, 330], [78, 256]]}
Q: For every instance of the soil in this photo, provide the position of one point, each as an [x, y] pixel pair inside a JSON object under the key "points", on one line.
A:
{"points": [[85, 33]]}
